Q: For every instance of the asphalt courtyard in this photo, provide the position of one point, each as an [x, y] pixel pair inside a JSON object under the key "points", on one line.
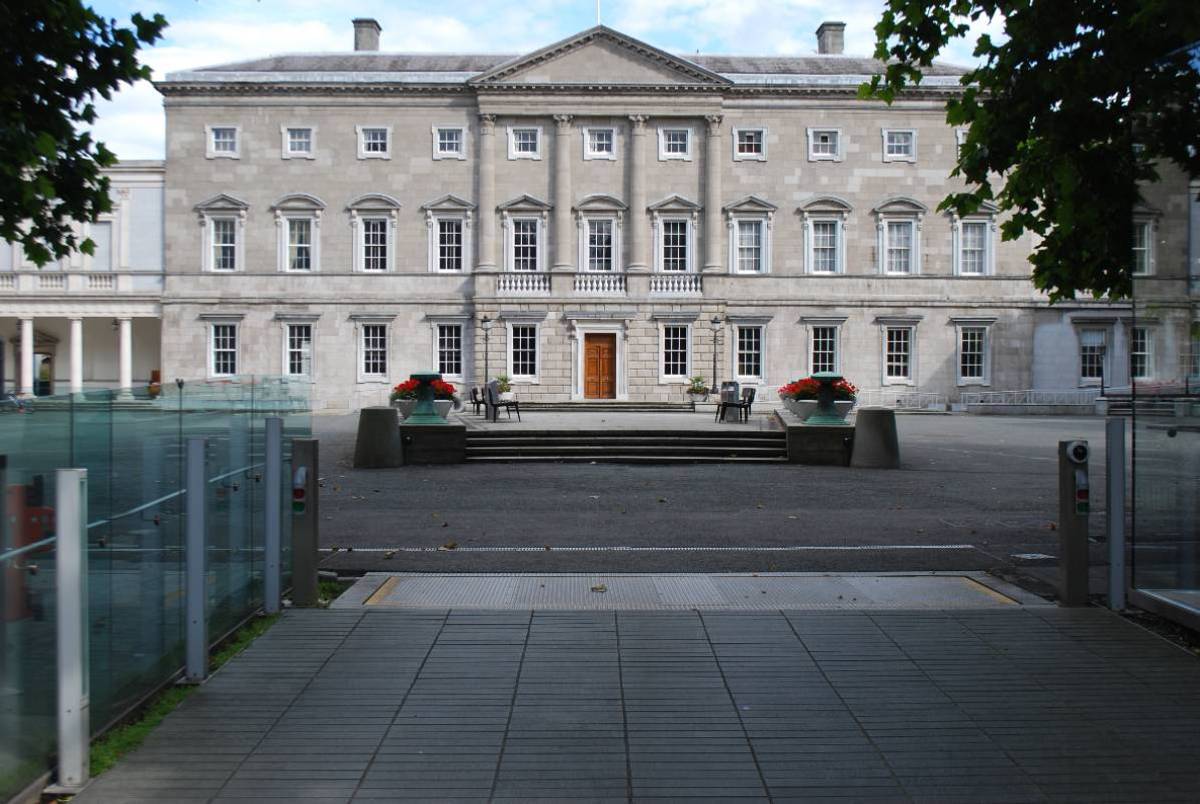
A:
{"points": [[972, 493]]}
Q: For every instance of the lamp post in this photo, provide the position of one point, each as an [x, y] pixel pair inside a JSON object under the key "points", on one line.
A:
{"points": [[486, 323], [715, 323]]}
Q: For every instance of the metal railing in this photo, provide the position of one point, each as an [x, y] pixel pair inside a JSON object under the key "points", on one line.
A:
{"points": [[1032, 396], [900, 400]]}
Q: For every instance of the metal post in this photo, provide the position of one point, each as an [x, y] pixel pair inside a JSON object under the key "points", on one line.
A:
{"points": [[273, 502], [1115, 504], [71, 599], [1073, 506], [305, 519], [232, 547], [196, 650], [151, 566]]}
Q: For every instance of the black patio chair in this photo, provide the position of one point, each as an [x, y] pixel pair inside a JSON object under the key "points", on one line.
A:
{"points": [[477, 401], [494, 403], [743, 406]]}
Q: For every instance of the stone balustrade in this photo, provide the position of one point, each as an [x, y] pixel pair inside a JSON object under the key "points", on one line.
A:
{"points": [[675, 285], [69, 282], [523, 284], [600, 285]]}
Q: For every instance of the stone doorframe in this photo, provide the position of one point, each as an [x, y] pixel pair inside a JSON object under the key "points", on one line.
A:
{"points": [[594, 323]]}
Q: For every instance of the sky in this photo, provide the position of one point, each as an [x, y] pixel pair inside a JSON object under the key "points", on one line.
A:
{"points": [[207, 32]]}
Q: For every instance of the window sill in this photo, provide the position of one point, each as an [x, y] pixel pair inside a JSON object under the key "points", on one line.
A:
{"points": [[899, 382], [222, 156], [515, 157], [451, 156], [910, 160], [749, 158], [309, 157], [600, 157], [363, 157]]}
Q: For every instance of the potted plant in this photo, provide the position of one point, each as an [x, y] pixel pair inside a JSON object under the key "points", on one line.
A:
{"points": [[800, 396], [445, 397], [504, 387], [404, 397], [697, 389]]}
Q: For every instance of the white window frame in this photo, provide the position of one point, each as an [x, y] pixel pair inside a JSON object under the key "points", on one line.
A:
{"points": [[912, 157], [360, 213], [464, 346], [239, 232], [433, 221], [510, 244], [914, 261], [1105, 331], [960, 138], [839, 247], [212, 348], [741, 157], [736, 351], [672, 379], [363, 153], [588, 153], [839, 151], [960, 327], [210, 150], [585, 231], [438, 153], [285, 147], [663, 155], [513, 153], [1149, 225], [1149, 353], [537, 356], [989, 243], [764, 221], [886, 325], [283, 225], [660, 242], [812, 324], [360, 334], [287, 347]]}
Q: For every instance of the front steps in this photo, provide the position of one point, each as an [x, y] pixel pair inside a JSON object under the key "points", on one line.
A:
{"points": [[607, 406], [628, 446]]}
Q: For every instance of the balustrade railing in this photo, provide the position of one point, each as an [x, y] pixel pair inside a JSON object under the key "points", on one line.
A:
{"points": [[600, 285], [1031, 396], [675, 285], [523, 285], [900, 400]]}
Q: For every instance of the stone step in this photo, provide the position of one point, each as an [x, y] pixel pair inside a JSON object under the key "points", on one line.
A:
{"points": [[625, 458]]}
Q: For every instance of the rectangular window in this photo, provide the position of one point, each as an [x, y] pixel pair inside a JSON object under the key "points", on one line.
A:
{"points": [[600, 245], [224, 350], [972, 352], [600, 143], [824, 247], [823, 144], [299, 141], [824, 349], [749, 247], [749, 352], [675, 245], [224, 244], [524, 350], [675, 350], [899, 145], [450, 244], [375, 244], [525, 140], [525, 244], [1139, 353], [450, 142], [374, 350], [973, 249], [299, 350], [375, 141], [674, 143], [750, 143], [224, 140], [1141, 249], [1091, 354], [101, 235], [898, 360], [899, 247], [450, 357], [299, 244]]}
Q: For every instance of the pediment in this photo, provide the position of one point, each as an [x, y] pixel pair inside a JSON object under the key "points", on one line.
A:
{"points": [[674, 202], [600, 202], [374, 201], [600, 55], [525, 202], [298, 201], [826, 203], [751, 204], [448, 202], [221, 201], [901, 205]]}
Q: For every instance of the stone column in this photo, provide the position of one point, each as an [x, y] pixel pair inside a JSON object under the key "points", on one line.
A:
{"points": [[563, 261], [637, 193], [712, 196], [125, 351], [26, 357], [76, 355], [487, 193]]}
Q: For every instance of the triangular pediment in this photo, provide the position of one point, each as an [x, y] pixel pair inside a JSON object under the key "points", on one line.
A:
{"points": [[223, 202], [674, 203], [750, 204], [600, 56], [526, 203], [448, 202]]}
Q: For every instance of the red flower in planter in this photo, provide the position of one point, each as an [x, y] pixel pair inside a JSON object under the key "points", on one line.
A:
{"points": [[405, 390], [808, 388]]}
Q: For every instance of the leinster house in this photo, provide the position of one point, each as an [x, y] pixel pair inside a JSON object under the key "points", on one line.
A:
{"points": [[598, 219]]}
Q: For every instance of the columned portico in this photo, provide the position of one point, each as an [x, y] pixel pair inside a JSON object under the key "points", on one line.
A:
{"points": [[26, 357], [76, 355], [563, 230], [712, 195], [637, 193]]}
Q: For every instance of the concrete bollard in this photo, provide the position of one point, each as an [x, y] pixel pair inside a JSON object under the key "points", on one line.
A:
{"points": [[875, 443], [377, 445]]}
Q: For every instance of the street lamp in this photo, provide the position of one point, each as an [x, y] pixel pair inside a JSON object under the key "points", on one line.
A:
{"points": [[716, 328], [486, 323]]}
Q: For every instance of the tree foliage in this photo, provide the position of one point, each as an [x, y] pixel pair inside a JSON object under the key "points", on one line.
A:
{"points": [[56, 56], [1068, 116]]}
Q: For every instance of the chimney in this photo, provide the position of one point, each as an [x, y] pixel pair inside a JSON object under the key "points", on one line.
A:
{"points": [[831, 38], [366, 34]]}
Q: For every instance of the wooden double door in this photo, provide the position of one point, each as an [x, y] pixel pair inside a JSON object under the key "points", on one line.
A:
{"points": [[600, 366]]}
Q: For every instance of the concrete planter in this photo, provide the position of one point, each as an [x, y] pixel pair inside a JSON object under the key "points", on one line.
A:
{"points": [[405, 406], [803, 408], [443, 407], [694, 397]]}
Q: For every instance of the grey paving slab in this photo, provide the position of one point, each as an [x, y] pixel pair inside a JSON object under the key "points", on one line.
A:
{"points": [[1008, 704]]}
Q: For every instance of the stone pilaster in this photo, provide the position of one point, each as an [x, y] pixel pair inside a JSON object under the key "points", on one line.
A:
{"points": [[486, 260], [637, 194], [76, 355], [713, 261], [563, 234]]}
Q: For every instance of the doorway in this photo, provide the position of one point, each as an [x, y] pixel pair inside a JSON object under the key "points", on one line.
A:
{"points": [[600, 366]]}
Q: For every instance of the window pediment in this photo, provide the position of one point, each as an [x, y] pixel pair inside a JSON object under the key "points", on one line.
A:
{"points": [[525, 203], [373, 201], [674, 203], [751, 204], [448, 203], [826, 204], [298, 202], [600, 202], [221, 202], [901, 205]]}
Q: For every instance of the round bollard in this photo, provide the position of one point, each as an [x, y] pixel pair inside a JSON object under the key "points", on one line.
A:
{"points": [[378, 443], [875, 442]]}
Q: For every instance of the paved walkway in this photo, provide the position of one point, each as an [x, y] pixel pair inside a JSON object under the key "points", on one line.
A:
{"points": [[763, 418], [1007, 704]]}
